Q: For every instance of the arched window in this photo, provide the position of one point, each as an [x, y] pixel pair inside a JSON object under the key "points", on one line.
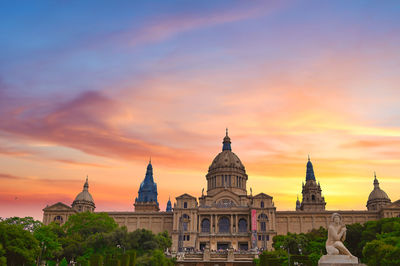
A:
{"points": [[58, 219], [242, 225], [263, 216], [262, 204], [223, 225], [313, 197], [205, 226], [185, 205]]}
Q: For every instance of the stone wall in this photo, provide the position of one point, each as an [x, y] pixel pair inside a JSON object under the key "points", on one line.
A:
{"points": [[303, 222], [154, 221]]}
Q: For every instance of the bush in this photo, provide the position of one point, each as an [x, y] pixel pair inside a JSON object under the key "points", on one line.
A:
{"points": [[125, 260], [96, 260], [132, 257], [115, 262]]}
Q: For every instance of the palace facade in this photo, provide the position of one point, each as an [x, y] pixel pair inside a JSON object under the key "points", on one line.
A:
{"points": [[227, 216]]}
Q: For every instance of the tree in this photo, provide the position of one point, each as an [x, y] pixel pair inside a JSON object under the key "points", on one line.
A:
{"points": [[28, 223], [132, 257], [164, 240], [64, 262], [88, 223], [3, 259], [353, 236], [50, 246], [19, 244]]}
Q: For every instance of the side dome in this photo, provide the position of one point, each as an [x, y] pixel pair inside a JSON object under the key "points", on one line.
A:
{"points": [[84, 200], [377, 198], [226, 171]]}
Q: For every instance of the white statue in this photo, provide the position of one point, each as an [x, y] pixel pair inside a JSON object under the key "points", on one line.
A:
{"points": [[336, 236]]}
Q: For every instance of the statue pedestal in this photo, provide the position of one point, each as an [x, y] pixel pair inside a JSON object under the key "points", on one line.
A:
{"points": [[337, 260]]}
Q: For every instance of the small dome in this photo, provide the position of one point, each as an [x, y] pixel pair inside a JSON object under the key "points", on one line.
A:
{"points": [[377, 193], [84, 195]]}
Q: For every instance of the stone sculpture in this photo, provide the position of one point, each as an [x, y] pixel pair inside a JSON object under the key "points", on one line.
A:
{"points": [[338, 254]]}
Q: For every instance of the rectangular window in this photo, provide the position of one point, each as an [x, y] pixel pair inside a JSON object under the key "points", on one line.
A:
{"points": [[259, 237]]}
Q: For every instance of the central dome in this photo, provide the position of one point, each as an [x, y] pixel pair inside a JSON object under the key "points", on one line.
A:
{"points": [[226, 159], [226, 171]]}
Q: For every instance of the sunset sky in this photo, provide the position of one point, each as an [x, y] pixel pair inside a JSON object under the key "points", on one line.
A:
{"points": [[97, 87]]}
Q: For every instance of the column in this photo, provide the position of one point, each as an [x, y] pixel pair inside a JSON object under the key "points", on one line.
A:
{"points": [[236, 224], [212, 223], [231, 222], [199, 224]]}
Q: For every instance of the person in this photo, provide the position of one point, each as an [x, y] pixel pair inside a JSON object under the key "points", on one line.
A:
{"points": [[336, 236]]}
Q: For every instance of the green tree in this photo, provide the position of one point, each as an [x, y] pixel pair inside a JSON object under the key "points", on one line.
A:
{"points": [[88, 223], [132, 257], [3, 259], [64, 262], [125, 260], [28, 223], [158, 259], [19, 244], [50, 245], [164, 240], [353, 236]]}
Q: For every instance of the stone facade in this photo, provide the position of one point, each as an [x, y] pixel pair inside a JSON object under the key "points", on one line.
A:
{"points": [[227, 217]]}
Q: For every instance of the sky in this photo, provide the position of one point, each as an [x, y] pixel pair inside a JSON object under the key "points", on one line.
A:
{"points": [[96, 88]]}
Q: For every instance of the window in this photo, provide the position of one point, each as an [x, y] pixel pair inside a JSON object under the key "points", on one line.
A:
{"points": [[58, 219], [263, 226], [259, 237], [185, 205], [205, 226], [188, 237], [263, 216], [262, 204], [313, 197], [185, 226], [242, 225], [223, 225]]}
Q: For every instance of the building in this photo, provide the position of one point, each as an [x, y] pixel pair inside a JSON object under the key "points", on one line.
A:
{"points": [[227, 216]]}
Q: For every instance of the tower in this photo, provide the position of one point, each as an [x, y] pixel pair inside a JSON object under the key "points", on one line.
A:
{"points": [[298, 204], [226, 171], [84, 201], [312, 199], [377, 198], [147, 198], [169, 206]]}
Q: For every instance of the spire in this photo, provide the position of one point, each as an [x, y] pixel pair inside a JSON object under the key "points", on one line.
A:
{"points": [[376, 183], [227, 142], [86, 185], [169, 205], [149, 173], [298, 204], [148, 188], [310, 171]]}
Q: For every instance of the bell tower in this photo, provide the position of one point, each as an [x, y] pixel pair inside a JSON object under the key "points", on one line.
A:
{"points": [[312, 198]]}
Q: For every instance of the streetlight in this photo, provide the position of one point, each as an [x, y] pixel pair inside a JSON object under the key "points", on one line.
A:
{"points": [[120, 246]]}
